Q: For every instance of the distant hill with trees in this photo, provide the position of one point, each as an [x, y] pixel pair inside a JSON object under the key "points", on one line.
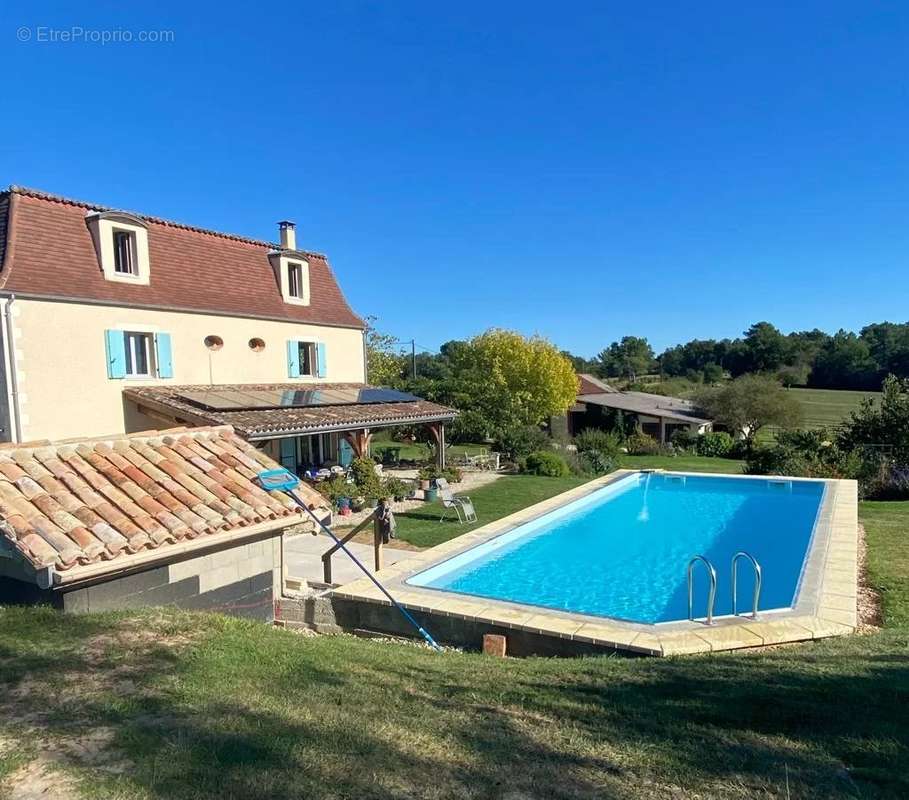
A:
{"points": [[843, 360]]}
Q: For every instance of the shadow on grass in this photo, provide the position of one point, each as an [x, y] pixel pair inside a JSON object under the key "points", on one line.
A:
{"points": [[241, 711]]}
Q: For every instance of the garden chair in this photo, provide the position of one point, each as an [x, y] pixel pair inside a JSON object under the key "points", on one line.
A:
{"points": [[462, 504]]}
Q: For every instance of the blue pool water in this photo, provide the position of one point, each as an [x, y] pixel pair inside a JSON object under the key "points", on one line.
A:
{"points": [[623, 550]]}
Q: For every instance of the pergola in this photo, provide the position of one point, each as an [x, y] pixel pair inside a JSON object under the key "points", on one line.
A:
{"points": [[355, 422]]}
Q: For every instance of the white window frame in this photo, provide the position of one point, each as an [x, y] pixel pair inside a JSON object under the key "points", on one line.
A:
{"points": [[295, 279], [104, 228], [132, 266], [132, 342], [282, 263], [311, 356]]}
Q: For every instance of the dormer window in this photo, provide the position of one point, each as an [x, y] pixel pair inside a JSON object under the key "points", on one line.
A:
{"points": [[121, 242], [292, 273], [125, 253], [295, 280]]}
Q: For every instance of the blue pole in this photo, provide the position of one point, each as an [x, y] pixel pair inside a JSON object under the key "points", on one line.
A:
{"points": [[264, 478]]}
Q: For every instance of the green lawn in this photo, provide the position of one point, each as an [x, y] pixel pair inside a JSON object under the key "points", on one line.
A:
{"points": [[417, 451], [828, 407], [683, 463], [152, 705], [172, 706], [887, 526], [503, 496]]}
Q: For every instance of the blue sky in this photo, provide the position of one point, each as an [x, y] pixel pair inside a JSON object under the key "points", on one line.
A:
{"points": [[582, 171]]}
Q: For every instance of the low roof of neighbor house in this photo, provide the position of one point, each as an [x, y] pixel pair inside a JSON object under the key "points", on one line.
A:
{"points": [[101, 505], [46, 250], [654, 405], [257, 424], [591, 384]]}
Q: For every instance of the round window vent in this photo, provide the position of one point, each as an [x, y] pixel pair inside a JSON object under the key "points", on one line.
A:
{"points": [[214, 342], [257, 345]]}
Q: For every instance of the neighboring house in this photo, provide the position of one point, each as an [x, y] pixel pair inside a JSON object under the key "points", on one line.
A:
{"points": [[114, 322], [176, 518], [599, 405]]}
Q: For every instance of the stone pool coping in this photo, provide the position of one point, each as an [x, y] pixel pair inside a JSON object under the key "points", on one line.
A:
{"points": [[826, 603]]}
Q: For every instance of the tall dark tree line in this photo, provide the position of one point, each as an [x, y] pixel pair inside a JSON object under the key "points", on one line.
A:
{"points": [[843, 360]]}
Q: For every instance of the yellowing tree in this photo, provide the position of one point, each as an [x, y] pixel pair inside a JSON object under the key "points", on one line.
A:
{"points": [[513, 380]]}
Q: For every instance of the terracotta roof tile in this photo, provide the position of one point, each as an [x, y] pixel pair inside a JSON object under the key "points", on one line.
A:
{"points": [[51, 254], [260, 424], [98, 500]]}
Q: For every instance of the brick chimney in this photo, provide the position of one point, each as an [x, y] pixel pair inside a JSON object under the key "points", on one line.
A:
{"points": [[288, 231]]}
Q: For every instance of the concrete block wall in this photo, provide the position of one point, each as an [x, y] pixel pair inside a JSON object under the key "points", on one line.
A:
{"points": [[242, 580]]}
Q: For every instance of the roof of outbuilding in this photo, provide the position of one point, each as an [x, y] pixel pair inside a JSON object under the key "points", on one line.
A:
{"points": [[655, 405], [99, 501], [266, 423], [46, 250]]}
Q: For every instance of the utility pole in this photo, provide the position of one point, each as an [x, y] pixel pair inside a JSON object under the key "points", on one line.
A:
{"points": [[413, 356]]}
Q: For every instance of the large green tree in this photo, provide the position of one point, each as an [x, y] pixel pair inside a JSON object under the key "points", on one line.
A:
{"points": [[513, 381], [628, 358], [882, 424], [750, 403], [385, 363]]}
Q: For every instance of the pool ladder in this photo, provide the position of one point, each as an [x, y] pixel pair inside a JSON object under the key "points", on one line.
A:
{"points": [[711, 594]]}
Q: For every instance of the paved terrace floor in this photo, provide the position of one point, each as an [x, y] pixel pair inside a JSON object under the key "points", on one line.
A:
{"points": [[303, 558]]}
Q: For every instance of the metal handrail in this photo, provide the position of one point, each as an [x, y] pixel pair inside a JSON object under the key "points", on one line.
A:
{"points": [[758, 578], [711, 595]]}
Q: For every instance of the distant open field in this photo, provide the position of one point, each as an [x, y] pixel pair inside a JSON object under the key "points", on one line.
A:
{"points": [[828, 407]]}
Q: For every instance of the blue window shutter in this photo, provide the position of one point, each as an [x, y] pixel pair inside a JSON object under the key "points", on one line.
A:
{"points": [[321, 363], [345, 452], [163, 353], [115, 347], [293, 358], [289, 454]]}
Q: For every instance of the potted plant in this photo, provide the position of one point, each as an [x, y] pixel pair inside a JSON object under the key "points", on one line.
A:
{"points": [[358, 503], [396, 488], [427, 476]]}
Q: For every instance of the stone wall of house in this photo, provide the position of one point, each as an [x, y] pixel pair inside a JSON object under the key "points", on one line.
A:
{"points": [[242, 580]]}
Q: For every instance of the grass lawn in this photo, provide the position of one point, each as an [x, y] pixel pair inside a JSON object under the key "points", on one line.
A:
{"points": [[157, 705], [417, 451], [493, 501], [154, 705], [683, 463], [828, 407]]}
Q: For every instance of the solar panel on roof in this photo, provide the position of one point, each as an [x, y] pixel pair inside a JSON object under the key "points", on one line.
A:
{"points": [[217, 399]]}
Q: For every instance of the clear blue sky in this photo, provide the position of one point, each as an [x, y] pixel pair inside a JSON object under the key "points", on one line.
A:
{"points": [[582, 171]]}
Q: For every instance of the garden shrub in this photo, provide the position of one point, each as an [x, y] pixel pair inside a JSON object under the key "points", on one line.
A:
{"points": [[363, 472], [640, 444], [684, 440], [716, 444], [593, 462], [451, 474], [545, 462], [395, 487], [520, 441], [606, 442], [335, 488]]}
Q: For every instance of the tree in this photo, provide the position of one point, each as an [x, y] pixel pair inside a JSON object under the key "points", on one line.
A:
{"points": [[845, 362], [385, 363], [581, 364], [885, 422], [888, 343], [749, 403], [793, 375], [627, 358], [766, 349], [513, 381]]}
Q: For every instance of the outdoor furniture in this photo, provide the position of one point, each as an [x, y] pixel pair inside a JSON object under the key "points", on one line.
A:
{"points": [[462, 504]]}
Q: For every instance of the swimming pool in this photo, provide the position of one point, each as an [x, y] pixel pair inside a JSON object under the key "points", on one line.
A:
{"points": [[622, 551]]}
